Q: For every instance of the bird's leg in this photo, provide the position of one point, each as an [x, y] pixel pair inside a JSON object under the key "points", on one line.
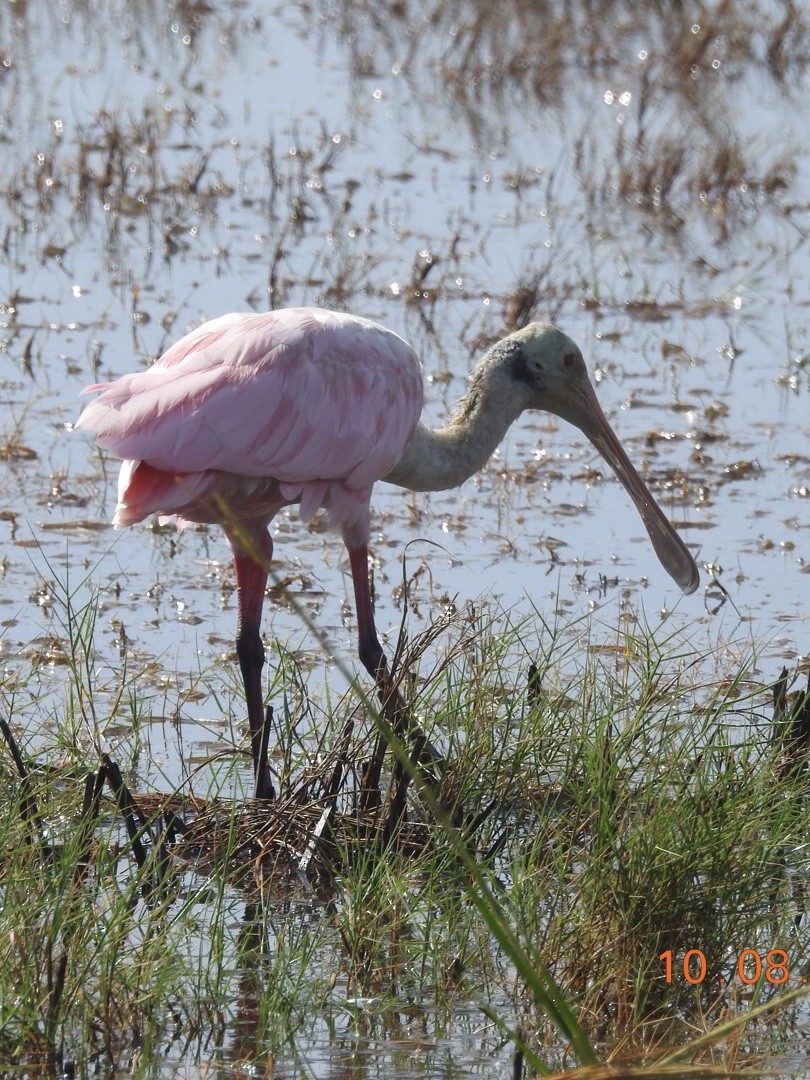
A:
{"points": [[394, 706], [252, 553], [370, 650], [373, 660]]}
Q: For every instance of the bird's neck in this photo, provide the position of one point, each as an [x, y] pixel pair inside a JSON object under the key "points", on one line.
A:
{"points": [[441, 458]]}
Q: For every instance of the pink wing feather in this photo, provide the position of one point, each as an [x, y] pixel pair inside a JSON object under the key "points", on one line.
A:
{"points": [[321, 402]]}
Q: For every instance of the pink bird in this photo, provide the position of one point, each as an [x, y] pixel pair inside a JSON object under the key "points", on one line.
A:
{"points": [[250, 413]]}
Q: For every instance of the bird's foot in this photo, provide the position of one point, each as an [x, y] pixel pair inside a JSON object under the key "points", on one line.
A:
{"points": [[423, 753], [261, 768]]}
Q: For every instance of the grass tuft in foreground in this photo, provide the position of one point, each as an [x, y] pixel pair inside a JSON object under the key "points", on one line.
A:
{"points": [[614, 857]]}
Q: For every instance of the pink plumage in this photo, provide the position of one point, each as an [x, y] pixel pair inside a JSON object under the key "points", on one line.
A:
{"points": [[250, 412]]}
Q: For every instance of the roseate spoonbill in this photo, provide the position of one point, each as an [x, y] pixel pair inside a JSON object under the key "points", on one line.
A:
{"points": [[253, 412]]}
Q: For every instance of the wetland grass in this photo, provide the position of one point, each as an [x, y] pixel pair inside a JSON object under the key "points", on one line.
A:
{"points": [[614, 857]]}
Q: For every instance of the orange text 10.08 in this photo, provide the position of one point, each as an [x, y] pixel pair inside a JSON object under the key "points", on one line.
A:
{"points": [[752, 966]]}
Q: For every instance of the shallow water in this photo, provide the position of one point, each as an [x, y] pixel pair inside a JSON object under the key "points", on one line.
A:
{"points": [[647, 189], [244, 139]]}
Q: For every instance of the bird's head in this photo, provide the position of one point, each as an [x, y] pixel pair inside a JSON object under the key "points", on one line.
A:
{"points": [[547, 369]]}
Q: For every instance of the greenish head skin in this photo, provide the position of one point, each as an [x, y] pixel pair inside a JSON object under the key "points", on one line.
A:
{"points": [[546, 370]]}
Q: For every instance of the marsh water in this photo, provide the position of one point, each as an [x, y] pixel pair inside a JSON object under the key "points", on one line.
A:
{"points": [[452, 170]]}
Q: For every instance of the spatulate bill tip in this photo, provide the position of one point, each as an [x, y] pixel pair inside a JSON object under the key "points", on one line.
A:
{"points": [[689, 581]]}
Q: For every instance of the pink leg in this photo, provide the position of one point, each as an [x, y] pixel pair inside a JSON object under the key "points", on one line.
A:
{"points": [[394, 706], [252, 552], [371, 653]]}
